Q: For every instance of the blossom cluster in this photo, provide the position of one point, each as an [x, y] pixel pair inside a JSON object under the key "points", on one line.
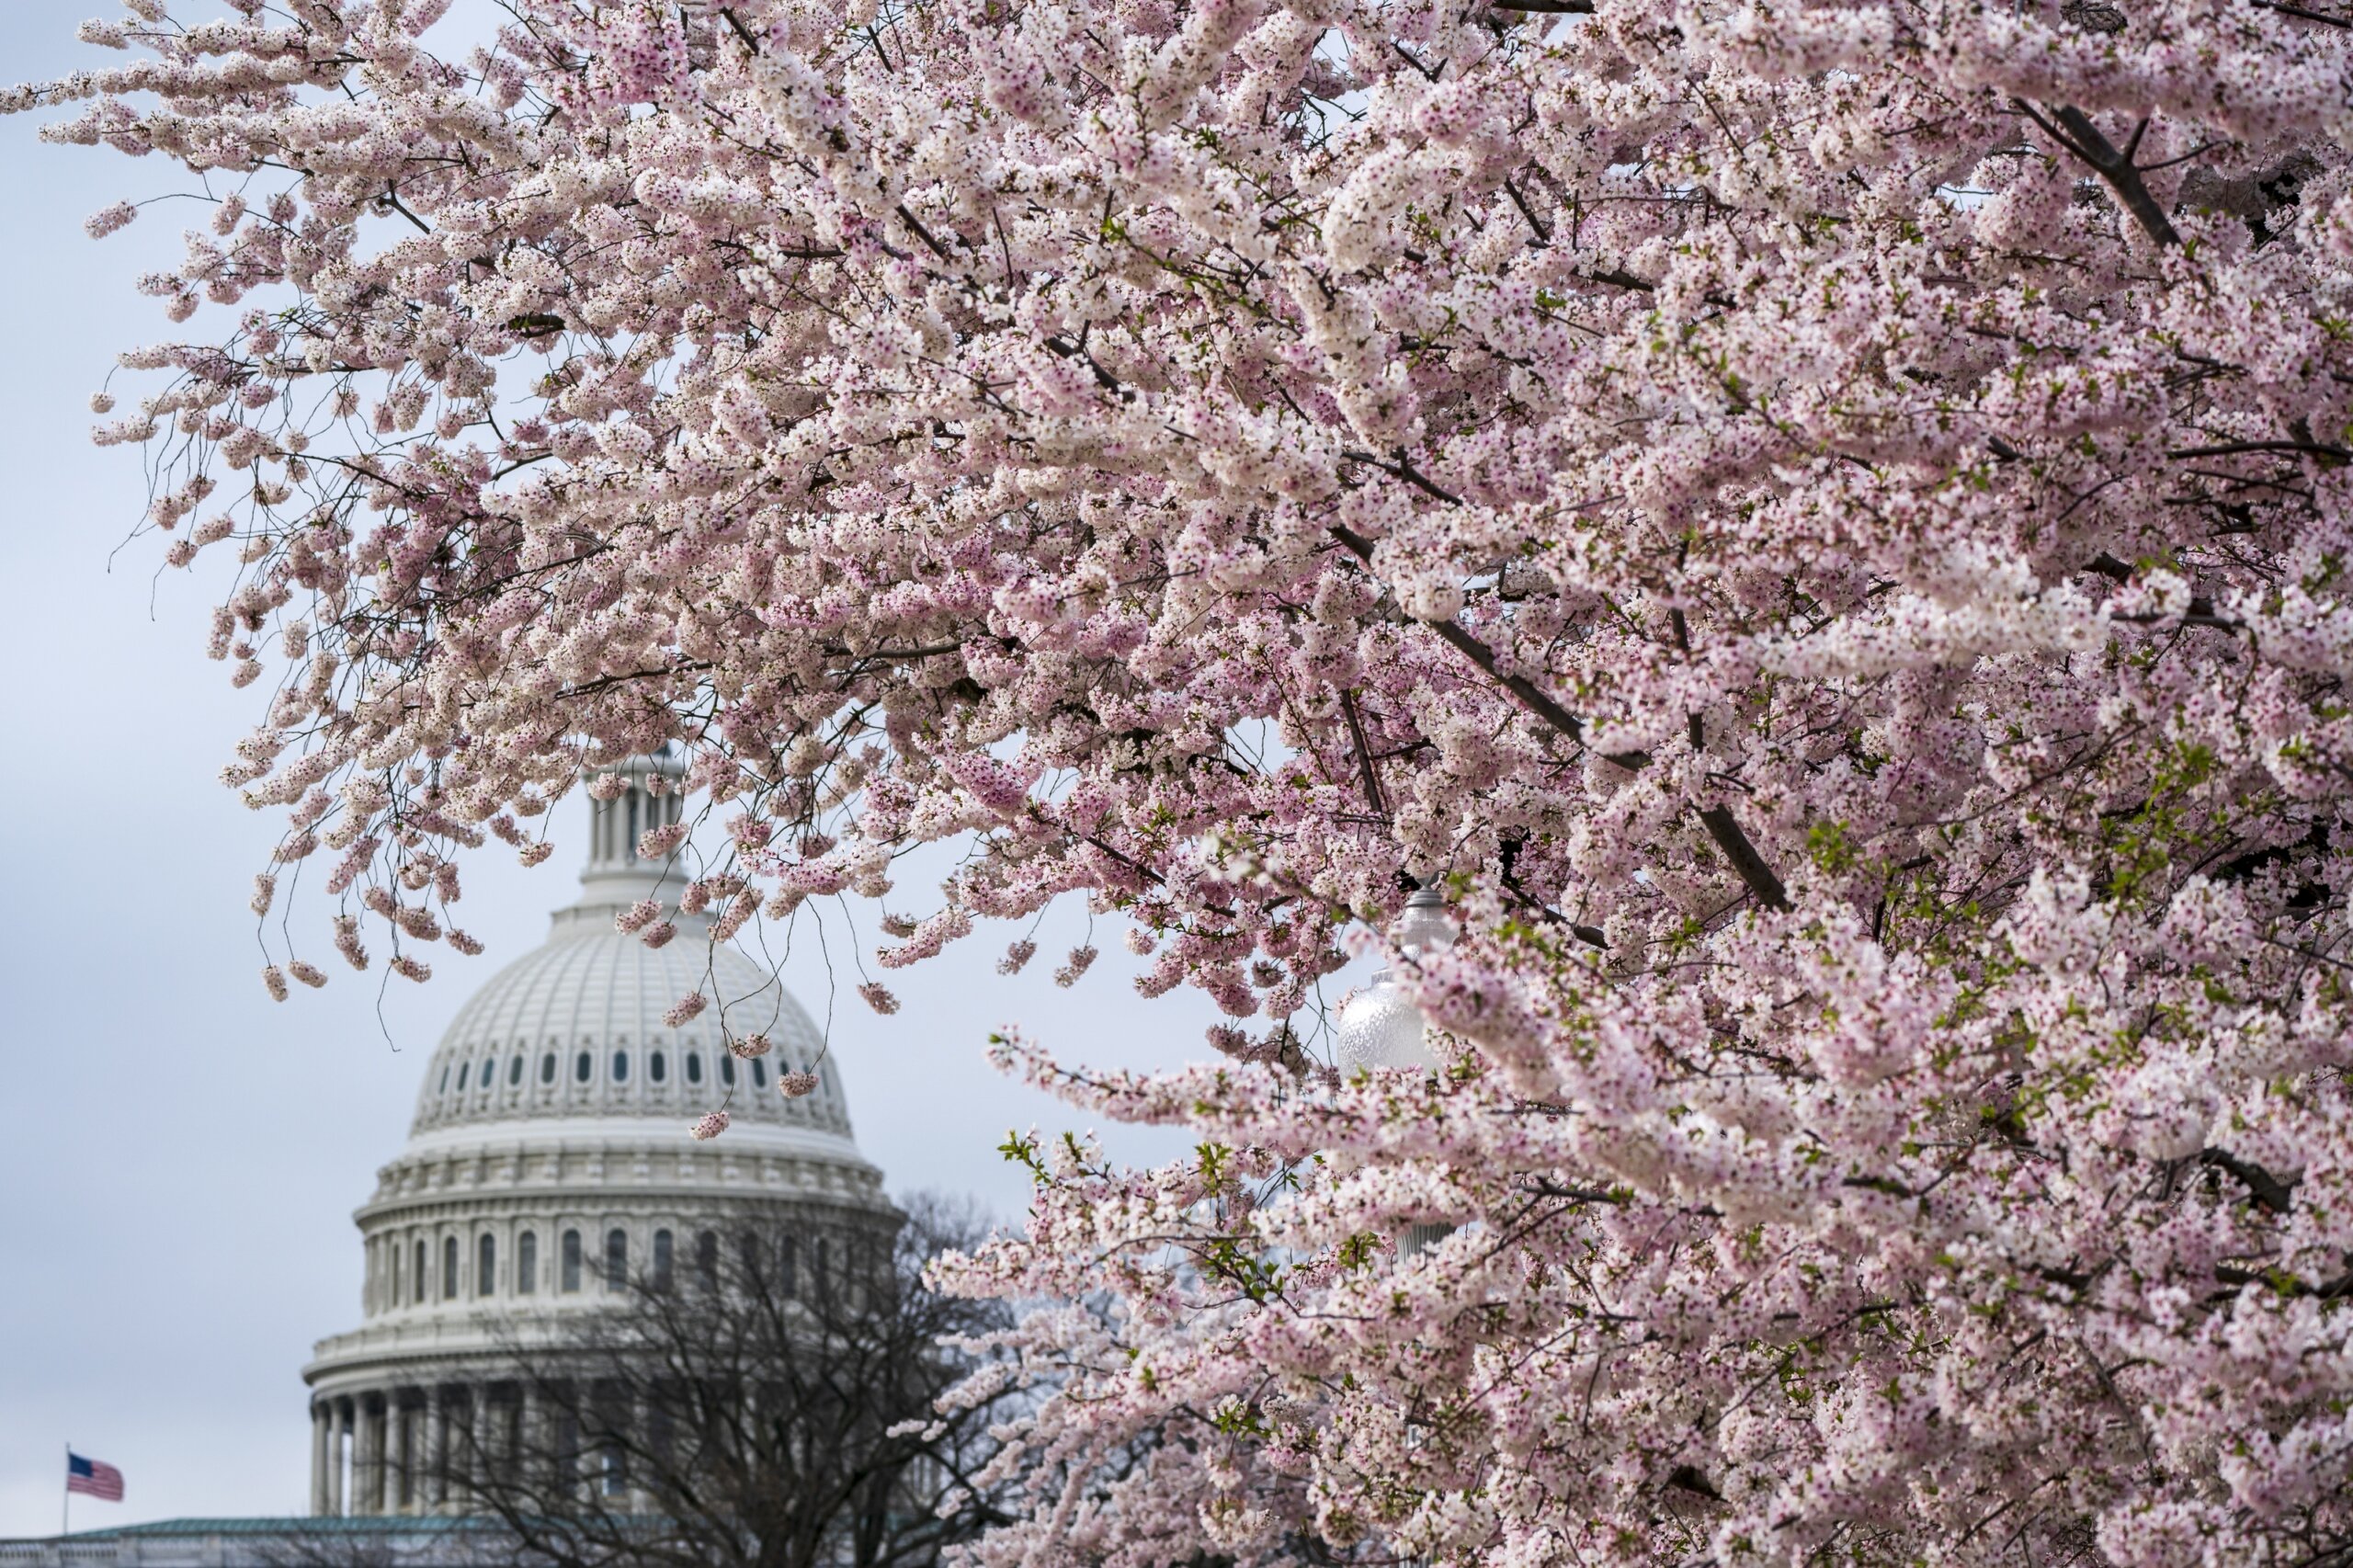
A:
{"points": [[1825, 527]]}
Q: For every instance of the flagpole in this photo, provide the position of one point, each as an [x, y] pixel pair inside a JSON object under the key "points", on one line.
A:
{"points": [[65, 1518]]}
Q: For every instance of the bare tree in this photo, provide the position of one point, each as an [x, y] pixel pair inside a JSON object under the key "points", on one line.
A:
{"points": [[766, 1403]]}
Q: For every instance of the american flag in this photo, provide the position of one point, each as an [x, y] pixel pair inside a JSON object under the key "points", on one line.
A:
{"points": [[92, 1478]]}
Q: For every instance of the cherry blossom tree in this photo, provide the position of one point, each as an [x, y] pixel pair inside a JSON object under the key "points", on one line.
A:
{"points": [[1822, 526]]}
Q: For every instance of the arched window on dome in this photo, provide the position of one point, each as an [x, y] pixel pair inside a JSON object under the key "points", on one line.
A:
{"points": [[527, 1263], [760, 1074], [707, 1258], [392, 1285], [661, 1260], [657, 1067], [788, 1267], [727, 1070], [448, 1268], [583, 1065], [486, 1264], [620, 1066], [571, 1280], [416, 1285], [547, 1068], [462, 1068], [445, 1078], [694, 1066], [515, 1071], [616, 1259]]}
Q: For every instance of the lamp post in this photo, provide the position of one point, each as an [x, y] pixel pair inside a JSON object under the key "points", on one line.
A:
{"points": [[1380, 1027]]}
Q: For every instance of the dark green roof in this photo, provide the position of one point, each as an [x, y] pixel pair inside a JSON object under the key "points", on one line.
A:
{"points": [[294, 1525]]}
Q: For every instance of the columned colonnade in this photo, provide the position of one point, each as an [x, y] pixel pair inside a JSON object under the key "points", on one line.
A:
{"points": [[418, 1449]]}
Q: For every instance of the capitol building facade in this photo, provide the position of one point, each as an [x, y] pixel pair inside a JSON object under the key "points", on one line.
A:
{"points": [[548, 1164]]}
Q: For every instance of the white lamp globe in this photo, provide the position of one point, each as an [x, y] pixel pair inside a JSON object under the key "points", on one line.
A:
{"points": [[1379, 1025]]}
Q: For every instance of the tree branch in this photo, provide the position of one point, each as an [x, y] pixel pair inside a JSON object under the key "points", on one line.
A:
{"points": [[2076, 132], [1530, 696], [1719, 821], [1726, 831], [2268, 1190]]}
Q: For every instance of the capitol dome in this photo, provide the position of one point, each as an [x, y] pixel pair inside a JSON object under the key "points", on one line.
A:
{"points": [[548, 1162]]}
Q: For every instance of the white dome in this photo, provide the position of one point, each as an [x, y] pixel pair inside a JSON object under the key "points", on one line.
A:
{"points": [[575, 1029], [550, 1160]]}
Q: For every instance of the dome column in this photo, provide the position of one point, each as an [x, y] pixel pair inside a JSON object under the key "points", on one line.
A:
{"points": [[532, 1469], [467, 1484], [337, 1442], [437, 1451], [367, 1459], [403, 1433], [322, 1433]]}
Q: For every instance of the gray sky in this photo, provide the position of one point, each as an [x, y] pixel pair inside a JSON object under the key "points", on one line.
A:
{"points": [[179, 1157]]}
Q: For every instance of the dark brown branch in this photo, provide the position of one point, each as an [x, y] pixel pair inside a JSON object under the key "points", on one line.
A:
{"points": [[2076, 132], [1373, 797], [924, 235], [1619, 278], [2234, 448], [2268, 1190], [1551, 8], [1543, 234], [1726, 831], [1720, 822], [2202, 608], [1409, 473], [741, 31], [2298, 11], [1530, 696]]}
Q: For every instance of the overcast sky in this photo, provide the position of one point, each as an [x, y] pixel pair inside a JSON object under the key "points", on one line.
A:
{"points": [[179, 1157]]}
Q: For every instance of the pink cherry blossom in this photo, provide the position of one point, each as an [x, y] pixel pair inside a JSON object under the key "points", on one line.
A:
{"points": [[1822, 529]]}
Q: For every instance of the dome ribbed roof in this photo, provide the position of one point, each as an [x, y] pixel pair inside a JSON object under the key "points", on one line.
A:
{"points": [[516, 1048], [575, 1029]]}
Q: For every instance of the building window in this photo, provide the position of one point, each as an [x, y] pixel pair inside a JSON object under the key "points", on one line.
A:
{"points": [[661, 1260], [393, 1257], [582, 1066], [656, 1068], [547, 1068], [760, 1074], [616, 1259], [486, 1264], [417, 1284], [527, 1263], [572, 1260], [449, 1268], [727, 1070], [707, 1258], [515, 1071], [620, 1066], [445, 1077], [462, 1066], [694, 1067]]}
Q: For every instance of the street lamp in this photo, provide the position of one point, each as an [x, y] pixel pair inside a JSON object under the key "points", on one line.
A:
{"points": [[1379, 1025]]}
